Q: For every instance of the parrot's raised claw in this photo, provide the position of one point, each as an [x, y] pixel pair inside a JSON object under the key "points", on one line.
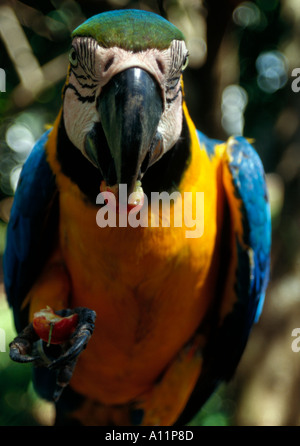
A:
{"points": [[62, 358], [79, 339], [65, 363], [63, 376], [22, 347]]}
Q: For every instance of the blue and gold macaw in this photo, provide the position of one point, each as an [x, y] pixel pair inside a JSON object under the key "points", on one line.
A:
{"points": [[162, 317]]}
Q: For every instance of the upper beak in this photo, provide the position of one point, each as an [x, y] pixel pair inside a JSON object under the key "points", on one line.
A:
{"points": [[130, 107]]}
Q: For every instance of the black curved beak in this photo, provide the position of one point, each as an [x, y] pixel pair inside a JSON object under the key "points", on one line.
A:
{"points": [[130, 108]]}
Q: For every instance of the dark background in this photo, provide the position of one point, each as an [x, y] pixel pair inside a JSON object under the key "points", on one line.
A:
{"points": [[239, 81]]}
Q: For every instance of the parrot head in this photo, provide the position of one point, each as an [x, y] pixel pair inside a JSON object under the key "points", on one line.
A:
{"points": [[122, 102]]}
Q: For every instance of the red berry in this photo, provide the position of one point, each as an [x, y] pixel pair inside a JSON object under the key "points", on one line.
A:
{"points": [[52, 328]]}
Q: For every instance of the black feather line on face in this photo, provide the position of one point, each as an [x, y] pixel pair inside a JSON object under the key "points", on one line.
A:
{"points": [[78, 76], [176, 58], [86, 52], [172, 87], [173, 98], [81, 98], [86, 75], [89, 86]]}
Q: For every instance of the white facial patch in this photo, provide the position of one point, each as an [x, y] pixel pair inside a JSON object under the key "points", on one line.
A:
{"points": [[92, 67]]}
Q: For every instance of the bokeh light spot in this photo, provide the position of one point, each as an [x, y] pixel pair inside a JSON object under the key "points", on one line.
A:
{"points": [[234, 101], [20, 139], [246, 14], [14, 177], [272, 71]]}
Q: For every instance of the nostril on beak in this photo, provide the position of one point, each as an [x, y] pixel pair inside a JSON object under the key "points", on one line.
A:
{"points": [[108, 63]]}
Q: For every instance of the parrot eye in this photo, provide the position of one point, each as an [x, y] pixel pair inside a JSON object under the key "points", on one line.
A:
{"points": [[185, 61], [73, 57]]}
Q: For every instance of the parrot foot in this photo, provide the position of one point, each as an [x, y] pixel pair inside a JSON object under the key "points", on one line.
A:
{"points": [[62, 358], [21, 348]]}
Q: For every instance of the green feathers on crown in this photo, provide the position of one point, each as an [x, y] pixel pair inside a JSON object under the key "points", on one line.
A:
{"points": [[133, 30]]}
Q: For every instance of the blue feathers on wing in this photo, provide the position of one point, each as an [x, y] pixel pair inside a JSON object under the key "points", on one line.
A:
{"points": [[250, 186], [23, 256]]}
